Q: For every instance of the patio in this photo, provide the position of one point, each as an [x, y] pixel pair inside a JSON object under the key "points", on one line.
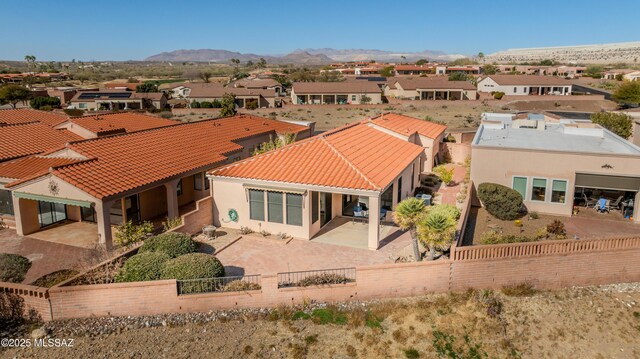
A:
{"points": [[70, 233], [354, 233]]}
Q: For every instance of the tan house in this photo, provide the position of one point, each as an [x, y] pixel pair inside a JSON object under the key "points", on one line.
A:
{"points": [[430, 88], [557, 166], [153, 174], [408, 69], [117, 100], [342, 93], [523, 85], [256, 83]]}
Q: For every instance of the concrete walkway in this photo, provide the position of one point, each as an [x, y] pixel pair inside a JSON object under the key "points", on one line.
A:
{"points": [[46, 257]]}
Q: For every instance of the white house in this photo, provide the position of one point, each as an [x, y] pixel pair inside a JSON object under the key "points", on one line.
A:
{"points": [[521, 85]]}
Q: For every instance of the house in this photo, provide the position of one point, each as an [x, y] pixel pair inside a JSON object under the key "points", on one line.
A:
{"points": [[430, 88], [24, 139], [522, 85], [624, 74], [414, 69], [117, 100], [260, 84], [447, 70], [554, 166], [28, 115], [87, 186], [93, 126], [199, 92], [346, 92], [122, 86]]}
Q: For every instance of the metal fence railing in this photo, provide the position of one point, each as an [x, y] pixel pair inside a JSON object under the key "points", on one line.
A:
{"points": [[316, 277], [221, 284]]}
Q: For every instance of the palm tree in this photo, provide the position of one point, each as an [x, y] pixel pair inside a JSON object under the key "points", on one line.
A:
{"points": [[236, 62], [407, 215], [436, 231], [481, 56]]}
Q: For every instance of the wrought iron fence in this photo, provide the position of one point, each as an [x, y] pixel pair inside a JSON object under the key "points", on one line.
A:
{"points": [[316, 277], [221, 284]]}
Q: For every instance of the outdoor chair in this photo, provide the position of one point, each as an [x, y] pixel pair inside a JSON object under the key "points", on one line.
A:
{"points": [[359, 213], [603, 205], [616, 204], [589, 203]]}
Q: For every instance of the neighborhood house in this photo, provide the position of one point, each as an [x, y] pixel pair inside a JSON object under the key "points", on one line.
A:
{"points": [[522, 85]]}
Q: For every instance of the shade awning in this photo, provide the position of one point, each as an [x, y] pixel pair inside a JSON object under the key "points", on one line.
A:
{"points": [[43, 198], [275, 189], [622, 183]]}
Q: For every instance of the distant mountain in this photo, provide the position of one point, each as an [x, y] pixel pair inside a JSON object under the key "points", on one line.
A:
{"points": [[306, 56], [382, 55]]}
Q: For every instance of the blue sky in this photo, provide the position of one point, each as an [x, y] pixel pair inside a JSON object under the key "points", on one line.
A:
{"points": [[134, 29]]}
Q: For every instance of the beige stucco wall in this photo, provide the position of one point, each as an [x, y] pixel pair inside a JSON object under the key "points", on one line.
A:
{"points": [[153, 202], [78, 130], [501, 165]]}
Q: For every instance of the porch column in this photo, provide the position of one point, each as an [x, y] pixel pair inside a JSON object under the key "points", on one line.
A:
{"points": [[322, 99], [374, 223], [18, 217], [172, 198], [123, 205], [394, 190], [636, 209], [103, 218]]}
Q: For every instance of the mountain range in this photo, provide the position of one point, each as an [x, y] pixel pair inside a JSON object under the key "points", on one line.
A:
{"points": [[303, 56]]}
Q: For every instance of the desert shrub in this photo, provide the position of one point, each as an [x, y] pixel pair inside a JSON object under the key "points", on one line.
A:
{"points": [[411, 353], [193, 266], [447, 210], [251, 105], [171, 223], [142, 267], [557, 229], [245, 230], [129, 233], [173, 244], [328, 315], [422, 190], [445, 174], [500, 201], [445, 346], [11, 311], [322, 279], [166, 114], [498, 95], [73, 112], [533, 215], [519, 290], [195, 104], [542, 233], [240, 286], [493, 237], [13, 267], [53, 278]]}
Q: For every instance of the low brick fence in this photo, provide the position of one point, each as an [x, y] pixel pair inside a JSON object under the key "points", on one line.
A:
{"points": [[34, 298], [192, 222]]}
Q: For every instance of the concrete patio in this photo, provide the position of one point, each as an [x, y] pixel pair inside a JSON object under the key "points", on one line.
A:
{"points": [[351, 232], [71, 233]]}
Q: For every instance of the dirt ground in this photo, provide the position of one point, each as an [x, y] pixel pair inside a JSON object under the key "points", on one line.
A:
{"points": [[455, 114], [592, 322]]}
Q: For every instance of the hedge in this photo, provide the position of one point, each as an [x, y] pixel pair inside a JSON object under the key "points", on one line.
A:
{"points": [[13, 267], [143, 267], [193, 266], [501, 201], [173, 244]]}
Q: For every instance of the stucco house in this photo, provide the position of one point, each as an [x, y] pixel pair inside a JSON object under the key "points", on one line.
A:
{"points": [[117, 100], [430, 88], [554, 166], [345, 92], [300, 188], [88, 186], [523, 85]]}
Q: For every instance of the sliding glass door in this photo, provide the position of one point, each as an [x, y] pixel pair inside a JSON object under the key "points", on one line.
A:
{"points": [[50, 213]]}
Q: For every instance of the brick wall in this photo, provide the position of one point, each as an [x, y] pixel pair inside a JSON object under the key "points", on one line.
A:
{"points": [[193, 221], [35, 298]]}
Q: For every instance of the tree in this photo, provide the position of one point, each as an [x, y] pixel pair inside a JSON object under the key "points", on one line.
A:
{"points": [[436, 230], [286, 139], [387, 71], [445, 174], [365, 100], [407, 215], [249, 63], [330, 76], [547, 62], [422, 62], [481, 56], [628, 92], [149, 86], [236, 62], [619, 123], [262, 63], [228, 104], [594, 71], [13, 94], [205, 76], [458, 76], [489, 69], [45, 103]]}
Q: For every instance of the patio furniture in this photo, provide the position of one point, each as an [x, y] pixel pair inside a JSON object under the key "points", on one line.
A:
{"points": [[209, 231], [358, 212], [603, 205], [589, 203], [425, 197], [616, 204]]}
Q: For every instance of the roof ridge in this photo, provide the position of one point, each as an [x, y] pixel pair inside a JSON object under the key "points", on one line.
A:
{"points": [[323, 139]]}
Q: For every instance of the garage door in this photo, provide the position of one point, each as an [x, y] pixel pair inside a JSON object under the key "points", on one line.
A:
{"points": [[608, 182]]}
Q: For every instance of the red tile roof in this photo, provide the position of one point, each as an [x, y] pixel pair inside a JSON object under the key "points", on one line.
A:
{"points": [[125, 162], [26, 115], [28, 166], [126, 121], [31, 138], [407, 126], [355, 156]]}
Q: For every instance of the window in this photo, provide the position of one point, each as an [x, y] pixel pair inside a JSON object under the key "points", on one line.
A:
{"points": [[413, 174], [520, 185], [6, 202], [558, 191], [206, 182], [399, 189], [82, 105], [197, 181], [256, 204], [179, 188], [515, 90], [294, 209], [274, 207], [315, 201], [353, 97], [539, 189]]}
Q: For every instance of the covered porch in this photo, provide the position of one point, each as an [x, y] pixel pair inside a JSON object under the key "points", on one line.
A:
{"points": [[354, 233], [613, 197]]}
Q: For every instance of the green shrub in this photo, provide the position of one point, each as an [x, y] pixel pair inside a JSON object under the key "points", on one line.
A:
{"points": [[411, 353], [323, 279], [53, 278], [502, 202], [498, 95], [73, 112], [129, 233], [13, 267], [447, 210], [251, 105], [173, 244], [142, 267], [193, 266], [557, 228], [195, 104], [445, 174], [422, 190]]}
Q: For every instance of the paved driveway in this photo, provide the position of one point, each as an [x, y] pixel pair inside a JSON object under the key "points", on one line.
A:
{"points": [[45, 256]]}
